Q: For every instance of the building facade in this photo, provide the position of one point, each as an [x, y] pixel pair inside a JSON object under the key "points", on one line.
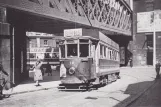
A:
{"points": [[146, 44], [42, 46]]}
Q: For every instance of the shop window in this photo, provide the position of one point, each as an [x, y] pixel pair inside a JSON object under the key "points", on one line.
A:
{"points": [[45, 42], [47, 55], [55, 55], [32, 55]]}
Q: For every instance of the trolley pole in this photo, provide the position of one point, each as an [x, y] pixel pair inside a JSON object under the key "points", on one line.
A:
{"points": [[154, 41]]}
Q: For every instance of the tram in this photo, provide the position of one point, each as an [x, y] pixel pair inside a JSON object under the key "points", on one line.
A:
{"points": [[88, 58]]}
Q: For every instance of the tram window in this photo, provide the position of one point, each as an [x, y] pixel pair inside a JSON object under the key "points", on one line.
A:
{"points": [[62, 49], [101, 51], [71, 49], [114, 55], [104, 51], [84, 50], [110, 54]]}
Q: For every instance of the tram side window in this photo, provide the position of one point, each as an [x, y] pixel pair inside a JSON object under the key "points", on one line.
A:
{"points": [[104, 52], [110, 54], [101, 51], [62, 49], [72, 50], [84, 50]]}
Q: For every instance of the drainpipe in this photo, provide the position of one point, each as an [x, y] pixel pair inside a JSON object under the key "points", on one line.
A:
{"points": [[13, 55]]}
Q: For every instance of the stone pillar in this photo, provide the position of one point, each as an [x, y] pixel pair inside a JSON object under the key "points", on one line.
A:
{"points": [[5, 45], [20, 51]]}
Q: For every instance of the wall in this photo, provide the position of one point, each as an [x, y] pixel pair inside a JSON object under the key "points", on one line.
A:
{"points": [[139, 44]]}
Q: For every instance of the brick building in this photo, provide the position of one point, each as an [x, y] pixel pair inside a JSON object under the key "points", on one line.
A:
{"points": [[142, 45]]}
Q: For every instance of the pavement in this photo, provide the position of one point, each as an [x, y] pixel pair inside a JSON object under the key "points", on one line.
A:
{"points": [[145, 81], [48, 82]]}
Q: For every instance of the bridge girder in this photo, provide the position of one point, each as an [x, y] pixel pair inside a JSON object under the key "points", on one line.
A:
{"points": [[107, 15]]}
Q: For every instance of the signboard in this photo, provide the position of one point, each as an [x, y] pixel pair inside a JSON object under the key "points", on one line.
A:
{"points": [[72, 32], [38, 34], [147, 20]]}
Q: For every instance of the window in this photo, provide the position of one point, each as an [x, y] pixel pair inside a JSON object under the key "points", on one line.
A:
{"points": [[47, 55], [110, 53], [45, 42], [84, 50], [55, 55], [32, 55], [62, 50], [104, 51], [72, 50], [101, 51]]}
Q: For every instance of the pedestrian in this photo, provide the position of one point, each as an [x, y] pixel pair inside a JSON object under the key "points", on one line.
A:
{"points": [[48, 69], [130, 60], [38, 72], [157, 68]]}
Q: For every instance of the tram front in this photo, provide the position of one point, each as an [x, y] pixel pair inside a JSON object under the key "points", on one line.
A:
{"points": [[77, 62]]}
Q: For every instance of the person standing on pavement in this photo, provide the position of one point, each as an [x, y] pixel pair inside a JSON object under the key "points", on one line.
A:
{"points": [[48, 69], [131, 63], [37, 71], [157, 68]]}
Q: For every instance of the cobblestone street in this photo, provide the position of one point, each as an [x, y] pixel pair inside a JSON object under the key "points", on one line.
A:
{"points": [[117, 94]]}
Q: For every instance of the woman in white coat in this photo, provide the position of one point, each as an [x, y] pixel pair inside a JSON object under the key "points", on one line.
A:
{"points": [[38, 73]]}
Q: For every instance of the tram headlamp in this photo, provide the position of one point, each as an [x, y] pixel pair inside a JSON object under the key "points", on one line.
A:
{"points": [[72, 70]]}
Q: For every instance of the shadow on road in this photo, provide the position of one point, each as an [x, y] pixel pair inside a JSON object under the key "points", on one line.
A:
{"points": [[141, 95]]}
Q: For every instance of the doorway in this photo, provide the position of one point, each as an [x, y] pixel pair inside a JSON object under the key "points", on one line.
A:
{"points": [[149, 58], [149, 39]]}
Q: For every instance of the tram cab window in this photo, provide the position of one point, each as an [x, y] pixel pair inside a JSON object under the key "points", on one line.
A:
{"points": [[84, 50], [62, 50], [72, 50]]}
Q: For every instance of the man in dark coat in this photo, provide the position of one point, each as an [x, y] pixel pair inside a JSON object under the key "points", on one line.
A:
{"points": [[48, 69], [157, 68]]}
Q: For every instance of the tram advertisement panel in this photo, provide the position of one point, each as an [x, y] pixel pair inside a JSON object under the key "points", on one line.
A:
{"points": [[122, 55]]}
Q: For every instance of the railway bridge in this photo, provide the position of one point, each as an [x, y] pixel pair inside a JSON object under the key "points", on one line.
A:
{"points": [[112, 17]]}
